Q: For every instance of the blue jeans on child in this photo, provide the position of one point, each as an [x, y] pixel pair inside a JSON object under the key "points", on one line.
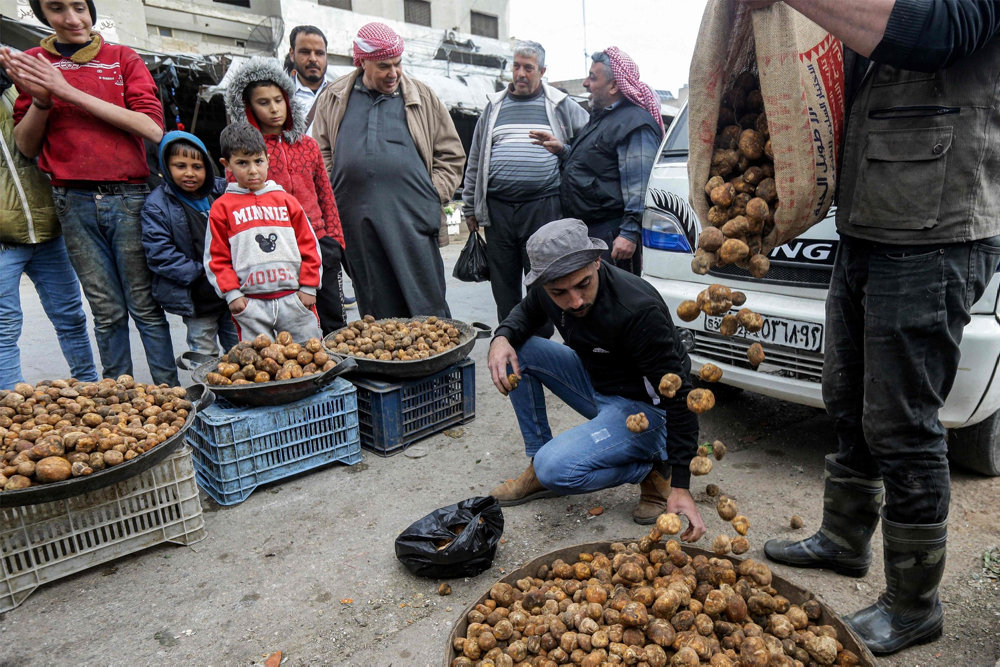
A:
{"points": [[103, 237], [599, 454], [202, 333], [49, 269]]}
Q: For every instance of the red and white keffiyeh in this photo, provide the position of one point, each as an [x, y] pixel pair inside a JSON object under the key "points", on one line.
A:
{"points": [[626, 74], [376, 41]]}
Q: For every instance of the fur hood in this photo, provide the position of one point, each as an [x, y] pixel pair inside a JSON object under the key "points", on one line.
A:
{"points": [[260, 68]]}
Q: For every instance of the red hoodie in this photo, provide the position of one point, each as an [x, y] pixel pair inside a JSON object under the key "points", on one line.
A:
{"points": [[298, 168]]}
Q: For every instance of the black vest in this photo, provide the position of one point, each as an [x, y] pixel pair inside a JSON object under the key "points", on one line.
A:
{"points": [[591, 182]]}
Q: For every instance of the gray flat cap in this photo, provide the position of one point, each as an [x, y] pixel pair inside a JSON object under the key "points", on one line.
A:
{"points": [[559, 248]]}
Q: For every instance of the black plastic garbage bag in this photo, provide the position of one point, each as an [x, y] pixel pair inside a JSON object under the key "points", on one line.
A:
{"points": [[471, 266], [455, 541]]}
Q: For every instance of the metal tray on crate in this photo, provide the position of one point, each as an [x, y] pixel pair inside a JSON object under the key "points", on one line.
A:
{"points": [[198, 394], [794, 593], [416, 368], [44, 542], [395, 414], [275, 392], [238, 449]]}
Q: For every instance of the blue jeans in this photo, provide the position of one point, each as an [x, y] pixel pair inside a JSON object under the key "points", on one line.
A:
{"points": [[48, 267], [599, 454], [894, 317], [202, 333], [103, 237]]}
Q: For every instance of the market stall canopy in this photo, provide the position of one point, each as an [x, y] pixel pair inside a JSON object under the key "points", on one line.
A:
{"points": [[460, 93]]}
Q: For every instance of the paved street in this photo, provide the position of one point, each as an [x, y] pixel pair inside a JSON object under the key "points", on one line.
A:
{"points": [[306, 566]]}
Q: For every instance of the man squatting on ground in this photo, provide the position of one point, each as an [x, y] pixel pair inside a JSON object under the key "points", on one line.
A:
{"points": [[606, 167], [620, 340], [918, 217], [511, 183]]}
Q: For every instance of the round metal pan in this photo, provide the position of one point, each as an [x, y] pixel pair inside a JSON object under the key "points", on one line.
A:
{"points": [[468, 334], [794, 593], [275, 392], [200, 395]]}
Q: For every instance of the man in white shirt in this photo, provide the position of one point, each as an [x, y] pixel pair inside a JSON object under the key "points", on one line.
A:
{"points": [[307, 51]]}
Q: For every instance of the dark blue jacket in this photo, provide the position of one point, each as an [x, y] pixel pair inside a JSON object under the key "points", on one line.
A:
{"points": [[170, 250]]}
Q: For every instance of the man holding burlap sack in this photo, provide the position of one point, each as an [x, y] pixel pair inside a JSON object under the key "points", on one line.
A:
{"points": [[919, 220]]}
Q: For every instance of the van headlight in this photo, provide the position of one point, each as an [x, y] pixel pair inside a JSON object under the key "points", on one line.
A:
{"points": [[662, 230]]}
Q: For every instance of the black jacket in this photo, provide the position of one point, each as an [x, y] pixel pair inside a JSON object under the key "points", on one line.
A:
{"points": [[627, 342], [591, 187]]}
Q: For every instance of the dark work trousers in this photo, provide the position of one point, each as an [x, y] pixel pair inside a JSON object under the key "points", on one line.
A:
{"points": [[330, 295], [511, 223], [894, 317], [608, 231]]}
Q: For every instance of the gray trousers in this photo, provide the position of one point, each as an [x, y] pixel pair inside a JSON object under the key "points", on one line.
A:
{"points": [[272, 316]]}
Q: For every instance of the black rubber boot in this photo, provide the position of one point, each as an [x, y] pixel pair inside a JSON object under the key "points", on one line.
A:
{"points": [[909, 611], [851, 505]]}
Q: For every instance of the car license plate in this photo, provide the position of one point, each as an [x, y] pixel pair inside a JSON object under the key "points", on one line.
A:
{"points": [[806, 336]]}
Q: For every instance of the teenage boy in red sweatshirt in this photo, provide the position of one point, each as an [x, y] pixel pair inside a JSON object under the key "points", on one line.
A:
{"points": [[261, 253], [84, 108], [263, 94]]}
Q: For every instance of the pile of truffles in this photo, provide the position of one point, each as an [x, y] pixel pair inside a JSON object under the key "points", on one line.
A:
{"points": [[394, 340], [717, 300], [741, 188], [60, 429], [263, 360], [642, 604]]}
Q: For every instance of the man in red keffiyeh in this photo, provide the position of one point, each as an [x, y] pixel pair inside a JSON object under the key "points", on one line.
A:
{"points": [[606, 167], [394, 157]]}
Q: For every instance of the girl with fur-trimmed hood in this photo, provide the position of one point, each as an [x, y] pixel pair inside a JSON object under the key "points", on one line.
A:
{"points": [[263, 93]]}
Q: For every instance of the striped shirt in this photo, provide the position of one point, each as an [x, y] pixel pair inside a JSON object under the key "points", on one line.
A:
{"points": [[520, 170]]}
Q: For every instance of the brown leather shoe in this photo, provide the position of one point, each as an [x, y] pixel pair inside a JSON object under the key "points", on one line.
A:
{"points": [[522, 490], [653, 494]]}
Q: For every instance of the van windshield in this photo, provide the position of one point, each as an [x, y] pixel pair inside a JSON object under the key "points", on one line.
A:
{"points": [[676, 144]]}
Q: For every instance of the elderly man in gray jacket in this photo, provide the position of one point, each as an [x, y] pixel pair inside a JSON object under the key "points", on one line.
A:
{"points": [[512, 185]]}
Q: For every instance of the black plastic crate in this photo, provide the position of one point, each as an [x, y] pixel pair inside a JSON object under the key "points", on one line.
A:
{"points": [[394, 415]]}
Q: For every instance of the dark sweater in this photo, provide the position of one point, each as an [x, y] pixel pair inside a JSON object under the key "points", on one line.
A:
{"points": [[631, 325], [928, 35]]}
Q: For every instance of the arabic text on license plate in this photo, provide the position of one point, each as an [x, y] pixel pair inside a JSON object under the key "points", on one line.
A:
{"points": [[779, 331]]}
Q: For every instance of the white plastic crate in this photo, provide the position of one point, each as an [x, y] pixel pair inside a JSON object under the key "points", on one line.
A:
{"points": [[45, 542]]}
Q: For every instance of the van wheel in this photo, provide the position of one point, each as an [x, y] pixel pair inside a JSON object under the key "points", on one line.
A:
{"points": [[977, 447]]}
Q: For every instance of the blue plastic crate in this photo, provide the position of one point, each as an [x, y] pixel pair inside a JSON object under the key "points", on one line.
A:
{"points": [[236, 449], [394, 415]]}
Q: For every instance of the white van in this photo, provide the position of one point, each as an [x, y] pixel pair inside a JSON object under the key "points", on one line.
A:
{"points": [[791, 299]]}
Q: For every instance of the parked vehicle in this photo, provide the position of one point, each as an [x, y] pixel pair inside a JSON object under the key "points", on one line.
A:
{"points": [[791, 299]]}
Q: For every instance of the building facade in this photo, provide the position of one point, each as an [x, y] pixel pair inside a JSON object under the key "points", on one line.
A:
{"points": [[465, 28]]}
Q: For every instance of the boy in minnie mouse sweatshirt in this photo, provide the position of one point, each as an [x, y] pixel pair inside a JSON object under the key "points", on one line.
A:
{"points": [[261, 253], [260, 92]]}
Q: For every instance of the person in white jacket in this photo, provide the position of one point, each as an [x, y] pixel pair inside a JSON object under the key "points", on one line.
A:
{"points": [[512, 185]]}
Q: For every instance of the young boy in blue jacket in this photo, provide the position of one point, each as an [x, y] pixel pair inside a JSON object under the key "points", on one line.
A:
{"points": [[174, 220]]}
